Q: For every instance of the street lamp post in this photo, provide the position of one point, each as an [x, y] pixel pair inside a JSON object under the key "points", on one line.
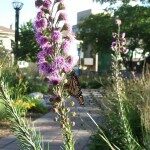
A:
{"points": [[17, 6]]}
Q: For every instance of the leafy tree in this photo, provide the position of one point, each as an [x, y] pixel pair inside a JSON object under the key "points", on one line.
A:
{"points": [[5, 57], [28, 46], [123, 1], [136, 25], [97, 30]]}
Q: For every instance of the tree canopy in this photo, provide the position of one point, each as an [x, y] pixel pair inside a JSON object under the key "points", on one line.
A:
{"points": [[97, 29], [136, 25], [28, 46], [123, 1]]}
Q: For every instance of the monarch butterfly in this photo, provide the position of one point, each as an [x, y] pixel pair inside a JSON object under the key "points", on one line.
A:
{"points": [[73, 88]]}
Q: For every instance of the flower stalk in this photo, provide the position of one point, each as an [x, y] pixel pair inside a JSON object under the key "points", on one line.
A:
{"points": [[56, 58], [118, 46]]}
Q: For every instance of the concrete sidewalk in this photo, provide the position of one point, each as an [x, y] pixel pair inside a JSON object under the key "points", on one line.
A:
{"points": [[51, 132]]}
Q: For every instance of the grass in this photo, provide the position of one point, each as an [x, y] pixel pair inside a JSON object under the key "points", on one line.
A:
{"points": [[136, 108]]}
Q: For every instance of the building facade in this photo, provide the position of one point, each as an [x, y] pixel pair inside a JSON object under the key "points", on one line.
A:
{"points": [[87, 59], [7, 37]]}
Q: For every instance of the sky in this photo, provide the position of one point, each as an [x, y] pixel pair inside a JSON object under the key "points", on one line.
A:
{"points": [[7, 13]]}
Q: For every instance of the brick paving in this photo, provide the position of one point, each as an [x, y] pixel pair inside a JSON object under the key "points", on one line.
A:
{"points": [[50, 129]]}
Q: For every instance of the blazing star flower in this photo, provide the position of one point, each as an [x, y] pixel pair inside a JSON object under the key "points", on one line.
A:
{"points": [[41, 56], [65, 46], [61, 6], [70, 63], [45, 68], [47, 3], [55, 42], [54, 78], [62, 16], [43, 40], [40, 15], [40, 24], [38, 36], [38, 3], [56, 35], [59, 62], [119, 43], [67, 27], [67, 68], [48, 49]]}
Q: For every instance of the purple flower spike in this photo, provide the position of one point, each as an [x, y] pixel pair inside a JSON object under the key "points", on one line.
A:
{"points": [[41, 24], [40, 15], [66, 46], [43, 40], [68, 64], [54, 78], [48, 49], [56, 36], [38, 3], [44, 68], [59, 62], [67, 27], [47, 3], [55, 40], [62, 16], [61, 1]]}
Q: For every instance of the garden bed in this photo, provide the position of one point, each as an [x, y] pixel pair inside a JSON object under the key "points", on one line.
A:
{"points": [[5, 125], [4, 128]]}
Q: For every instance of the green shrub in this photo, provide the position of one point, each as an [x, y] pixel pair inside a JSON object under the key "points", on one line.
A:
{"points": [[136, 108], [38, 107], [138, 93], [3, 114], [88, 82], [16, 82]]}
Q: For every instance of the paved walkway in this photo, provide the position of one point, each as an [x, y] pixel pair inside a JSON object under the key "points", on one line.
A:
{"points": [[50, 129]]}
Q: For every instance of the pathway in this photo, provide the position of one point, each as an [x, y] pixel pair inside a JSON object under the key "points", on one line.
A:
{"points": [[50, 129]]}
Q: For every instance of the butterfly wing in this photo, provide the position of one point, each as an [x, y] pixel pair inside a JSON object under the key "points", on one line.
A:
{"points": [[74, 88]]}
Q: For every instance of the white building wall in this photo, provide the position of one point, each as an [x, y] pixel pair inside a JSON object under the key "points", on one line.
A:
{"points": [[6, 42]]}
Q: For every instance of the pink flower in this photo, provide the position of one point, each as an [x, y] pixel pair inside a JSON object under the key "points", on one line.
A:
{"points": [[38, 3], [65, 46], [55, 41], [43, 40], [67, 27], [59, 62], [40, 24], [40, 15], [54, 78], [47, 3], [56, 35], [69, 64], [62, 16]]}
